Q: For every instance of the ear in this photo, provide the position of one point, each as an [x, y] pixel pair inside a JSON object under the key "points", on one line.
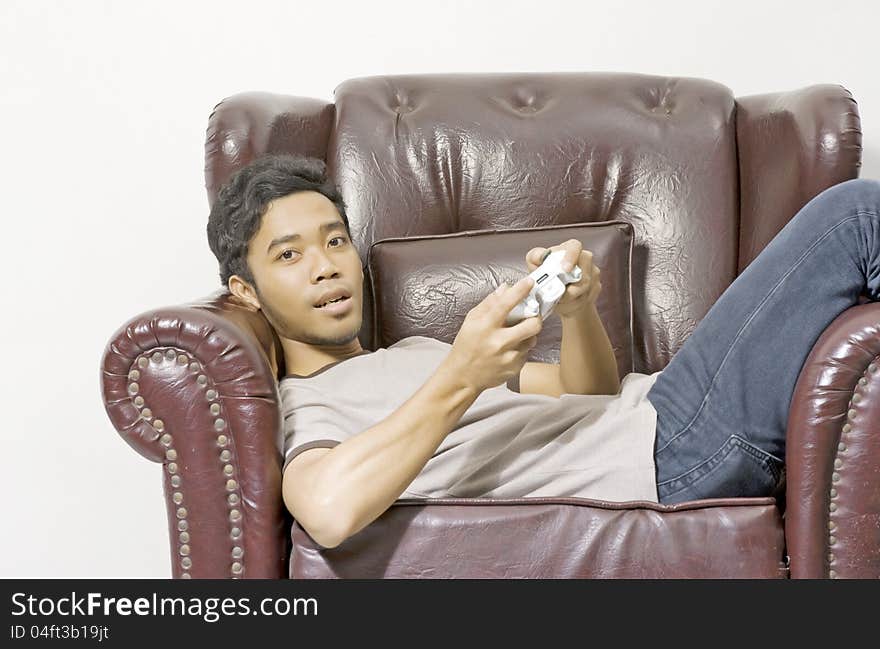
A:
{"points": [[243, 291]]}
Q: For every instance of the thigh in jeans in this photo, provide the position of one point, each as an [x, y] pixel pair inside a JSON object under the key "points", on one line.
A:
{"points": [[722, 401]]}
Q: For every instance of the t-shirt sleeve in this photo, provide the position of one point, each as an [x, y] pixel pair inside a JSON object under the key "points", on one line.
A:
{"points": [[314, 427]]}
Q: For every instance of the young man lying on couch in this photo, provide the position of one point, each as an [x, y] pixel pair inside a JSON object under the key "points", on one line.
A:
{"points": [[425, 418]]}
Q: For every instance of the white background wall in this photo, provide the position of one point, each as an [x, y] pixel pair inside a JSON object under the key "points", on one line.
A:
{"points": [[103, 110]]}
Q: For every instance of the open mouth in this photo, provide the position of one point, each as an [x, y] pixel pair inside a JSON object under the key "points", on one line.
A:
{"points": [[336, 301]]}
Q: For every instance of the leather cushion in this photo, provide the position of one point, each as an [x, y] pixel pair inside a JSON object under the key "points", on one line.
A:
{"points": [[554, 538], [425, 285]]}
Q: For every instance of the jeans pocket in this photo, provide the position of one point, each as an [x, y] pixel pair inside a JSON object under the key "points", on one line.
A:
{"points": [[738, 469]]}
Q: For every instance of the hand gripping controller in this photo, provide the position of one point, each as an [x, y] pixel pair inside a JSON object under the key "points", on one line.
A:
{"points": [[549, 286]]}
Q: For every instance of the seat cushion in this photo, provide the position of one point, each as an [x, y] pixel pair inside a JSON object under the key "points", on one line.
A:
{"points": [[554, 538], [425, 285]]}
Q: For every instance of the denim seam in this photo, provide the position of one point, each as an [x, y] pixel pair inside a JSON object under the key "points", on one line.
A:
{"points": [[733, 442], [751, 317], [751, 449]]}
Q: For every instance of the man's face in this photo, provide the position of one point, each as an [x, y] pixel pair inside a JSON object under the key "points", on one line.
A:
{"points": [[294, 273]]}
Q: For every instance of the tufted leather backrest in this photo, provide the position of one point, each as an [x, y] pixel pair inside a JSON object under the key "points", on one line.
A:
{"points": [[445, 153]]}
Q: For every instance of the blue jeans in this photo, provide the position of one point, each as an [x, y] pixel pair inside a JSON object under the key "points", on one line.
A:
{"points": [[722, 401]]}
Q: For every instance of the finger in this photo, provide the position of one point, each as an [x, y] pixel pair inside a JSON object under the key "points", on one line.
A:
{"points": [[529, 343], [573, 249], [525, 328], [536, 256], [507, 296]]}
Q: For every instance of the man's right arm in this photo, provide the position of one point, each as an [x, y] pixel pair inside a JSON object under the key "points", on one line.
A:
{"points": [[334, 493]]}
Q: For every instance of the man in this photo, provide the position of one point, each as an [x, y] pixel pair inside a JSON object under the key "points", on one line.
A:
{"points": [[426, 418]]}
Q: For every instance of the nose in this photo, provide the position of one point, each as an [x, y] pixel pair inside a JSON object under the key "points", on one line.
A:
{"points": [[323, 268]]}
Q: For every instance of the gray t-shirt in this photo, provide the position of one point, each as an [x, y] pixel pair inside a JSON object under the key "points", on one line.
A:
{"points": [[506, 445]]}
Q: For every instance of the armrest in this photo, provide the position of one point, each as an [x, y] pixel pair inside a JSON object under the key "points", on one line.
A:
{"points": [[194, 387], [833, 452], [791, 146]]}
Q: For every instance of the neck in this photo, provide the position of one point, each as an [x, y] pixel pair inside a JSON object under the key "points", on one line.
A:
{"points": [[304, 359]]}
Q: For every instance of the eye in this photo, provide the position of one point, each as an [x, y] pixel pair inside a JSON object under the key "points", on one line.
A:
{"points": [[282, 255], [342, 239]]}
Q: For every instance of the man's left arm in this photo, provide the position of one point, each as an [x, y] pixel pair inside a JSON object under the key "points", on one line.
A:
{"points": [[588, 364]]}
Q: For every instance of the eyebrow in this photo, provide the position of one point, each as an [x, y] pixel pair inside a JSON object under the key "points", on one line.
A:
{"points": [[324, 229]]}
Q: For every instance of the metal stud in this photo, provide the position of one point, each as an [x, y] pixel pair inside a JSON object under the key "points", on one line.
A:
{"points": [[177, 497], [181, 512], [165, 440], [143, 362], [134, 375], [225, 455], [838, 463], [832, 574], [133, 388], [830, 557], [186, 562], [863, 381], [234, 515], [851, 413], [847, 428], [194, 367], [831, 540], [171, 454], [182, 359], [228, 469], [236, 532], [172, 467], [210, 395], [222, 440], [201, 379], [175, 481], [872, 367], [237, 552], [215, 409], [233, 499], [219, 424], [185, 575], [835, 477], [831, 525], [856, 398], [184, 549], [146, 413], [170, 355], [159, 425], [182, 525], [231, 485], [139, 401], [832, 507], [156, 357], [833, 492], [184, 537], [236, 567]]}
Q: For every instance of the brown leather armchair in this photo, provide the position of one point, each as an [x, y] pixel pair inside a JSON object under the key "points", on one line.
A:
{"points": [[705, 178]]}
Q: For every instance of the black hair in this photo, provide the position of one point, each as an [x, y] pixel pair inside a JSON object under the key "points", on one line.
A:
{"points": [[242, 201]]}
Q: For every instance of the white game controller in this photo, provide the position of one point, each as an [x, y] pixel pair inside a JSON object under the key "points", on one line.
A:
{"points": [[549, 286]]}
